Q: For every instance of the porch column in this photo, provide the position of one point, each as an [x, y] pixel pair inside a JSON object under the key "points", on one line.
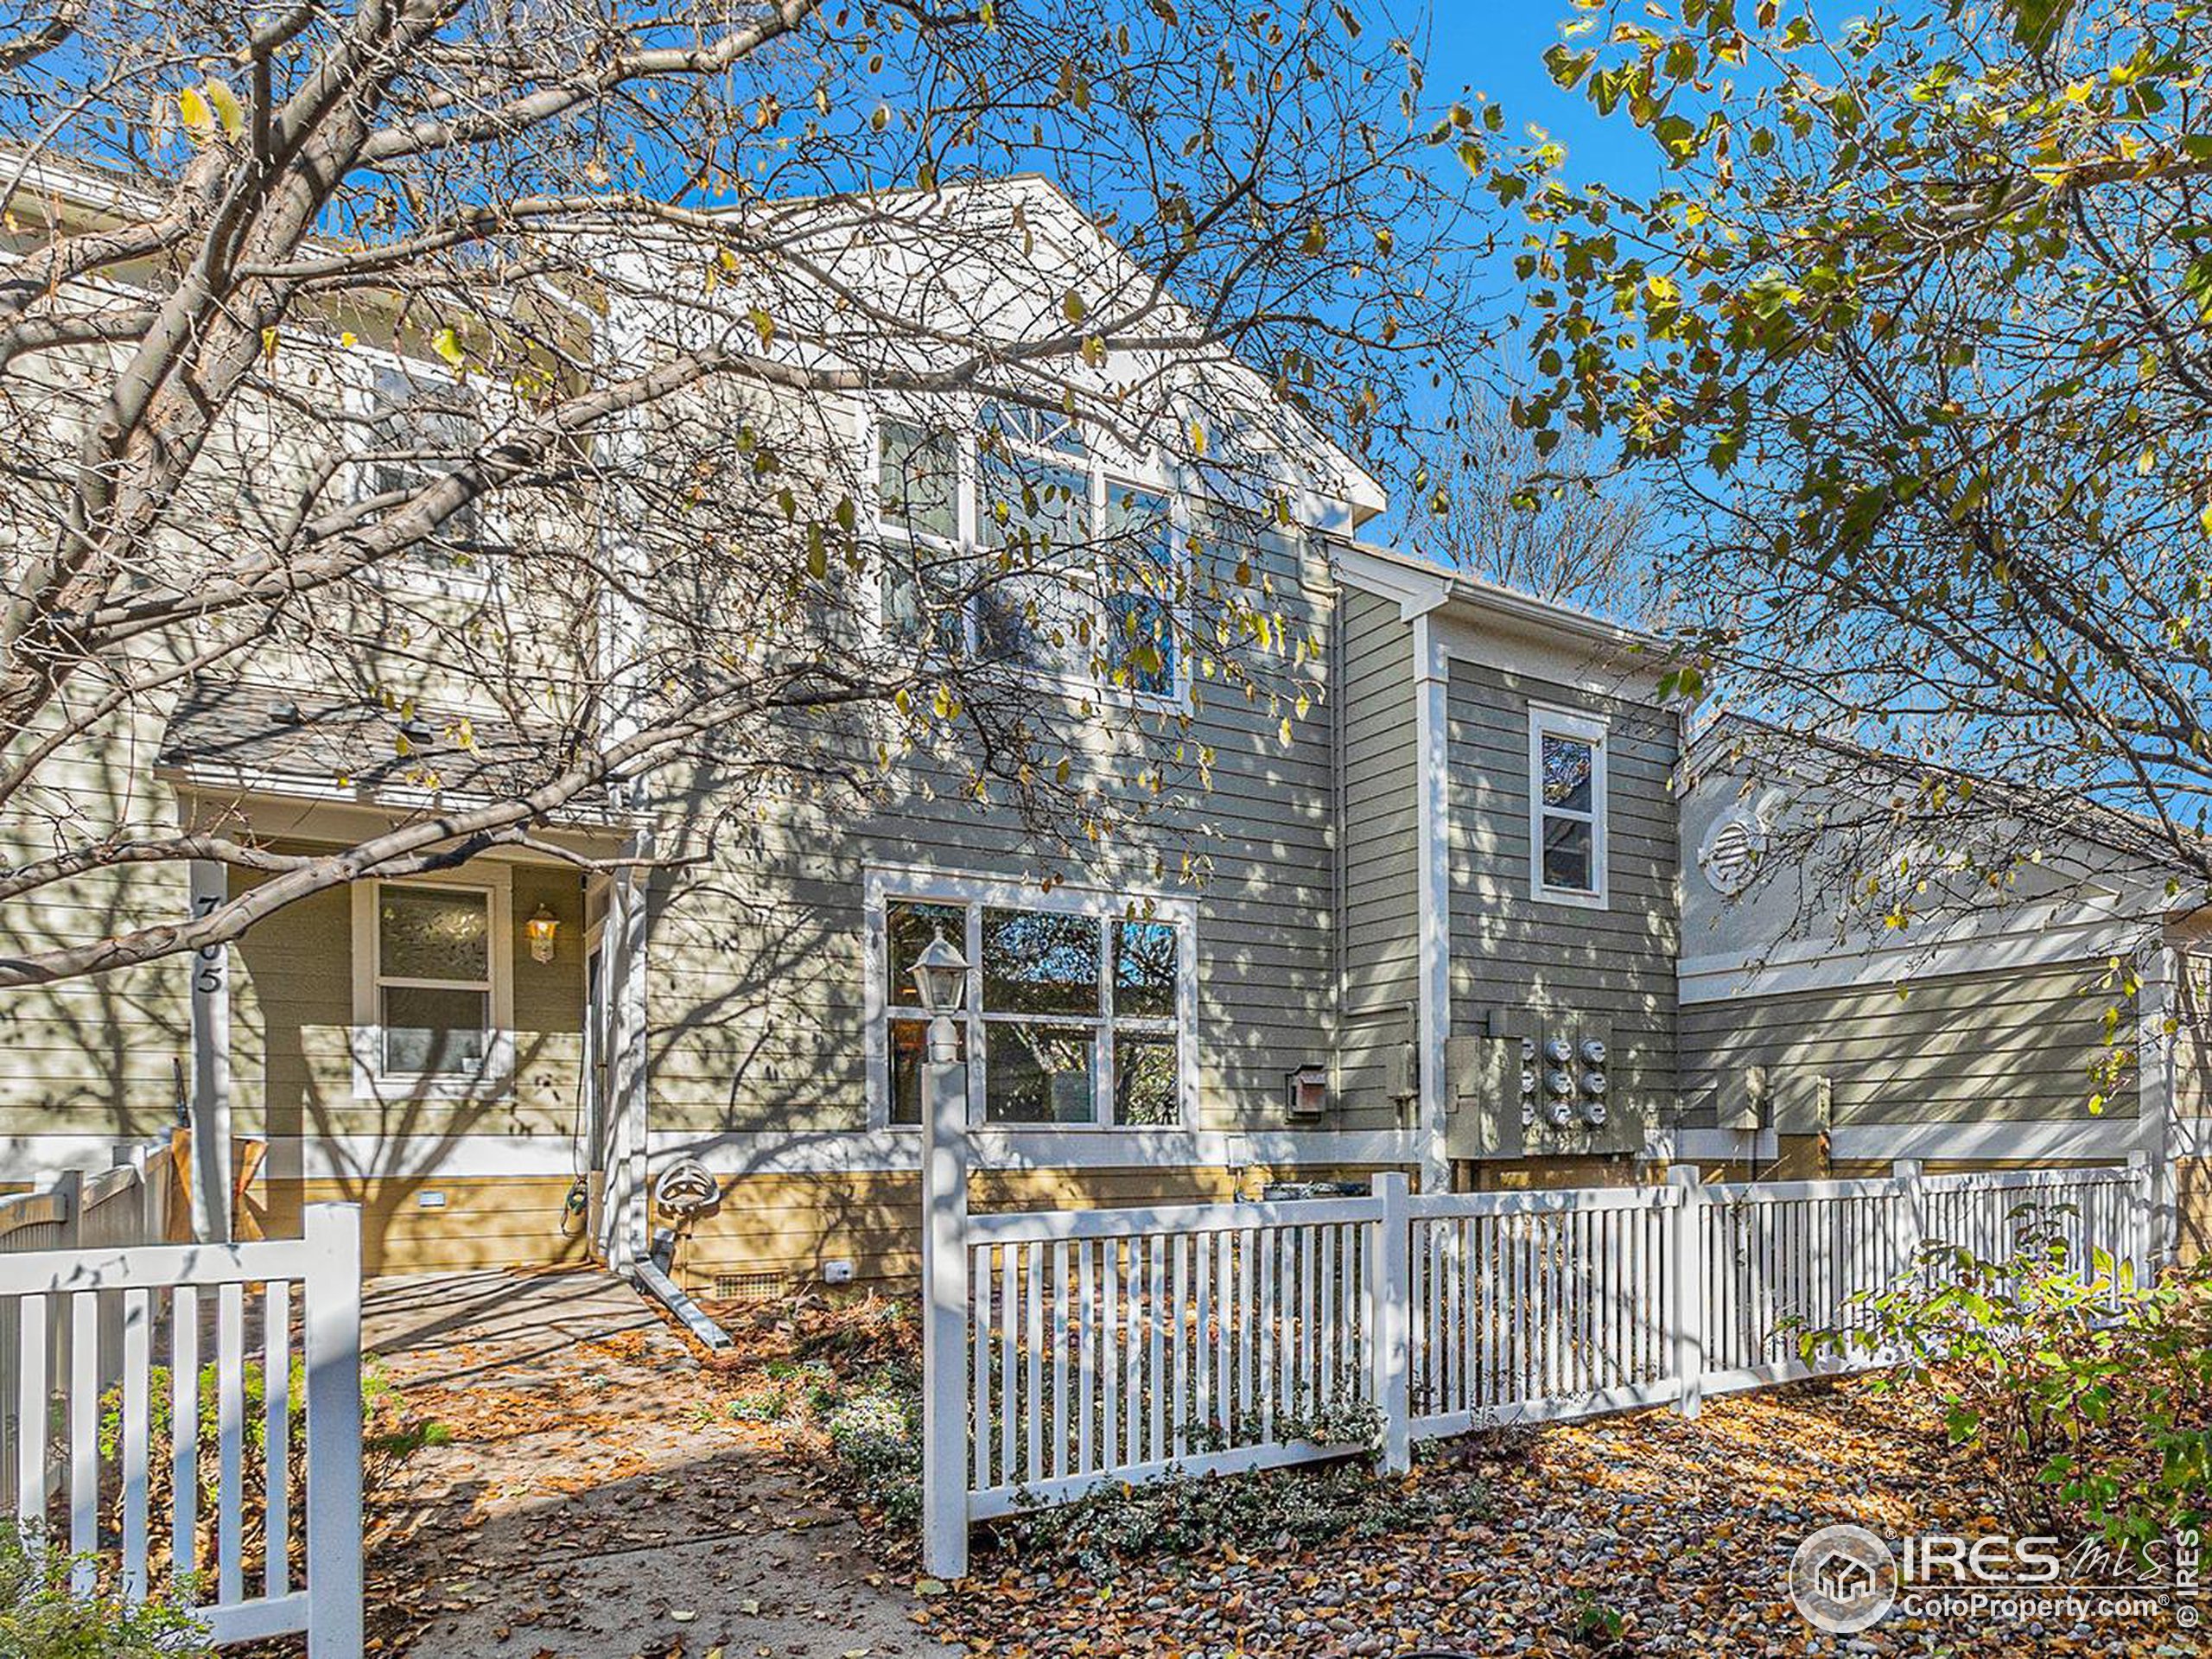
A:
{"points": [[628, 1240], [210, 1103]]}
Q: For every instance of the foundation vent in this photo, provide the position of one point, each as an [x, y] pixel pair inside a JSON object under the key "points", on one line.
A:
{"points": [[749, 1287]]}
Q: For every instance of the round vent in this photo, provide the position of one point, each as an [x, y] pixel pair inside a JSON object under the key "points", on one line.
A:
{"points": [[1730, 857]]}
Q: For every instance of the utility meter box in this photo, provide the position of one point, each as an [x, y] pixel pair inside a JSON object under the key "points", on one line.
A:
{"points": [[1483, 1111], [1402, 1070], [1804, 1102], [1741, 1103]]}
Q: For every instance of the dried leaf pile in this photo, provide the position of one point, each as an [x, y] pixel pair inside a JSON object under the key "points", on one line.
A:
{"points": [[611, 1492], [1644, 1535]]}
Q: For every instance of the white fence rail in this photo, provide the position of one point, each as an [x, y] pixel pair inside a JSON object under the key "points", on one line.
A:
{"points": [[176, 1467], [1109, 1345]]}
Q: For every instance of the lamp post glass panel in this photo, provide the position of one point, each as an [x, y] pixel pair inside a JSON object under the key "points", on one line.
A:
{"points": [[941, 976]]}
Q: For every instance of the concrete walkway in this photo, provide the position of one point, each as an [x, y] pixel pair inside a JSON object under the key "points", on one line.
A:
{"points": [[590, 1504]]}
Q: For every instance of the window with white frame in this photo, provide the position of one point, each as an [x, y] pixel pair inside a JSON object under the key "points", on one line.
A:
{"points": [[1566, 806], [433, 993], [1075, 1017], [420, 426], [1014, 543]]}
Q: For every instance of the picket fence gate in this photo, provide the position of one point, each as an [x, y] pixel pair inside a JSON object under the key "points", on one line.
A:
{"points": [[112, 1352], [1070, 1349]]}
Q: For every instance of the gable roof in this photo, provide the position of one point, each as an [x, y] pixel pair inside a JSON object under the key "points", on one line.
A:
{"points": [[972, 263], [1418, 584], [1731, 737]]}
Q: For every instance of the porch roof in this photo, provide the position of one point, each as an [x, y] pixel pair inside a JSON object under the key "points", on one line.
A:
{"points": [[249, 736]]}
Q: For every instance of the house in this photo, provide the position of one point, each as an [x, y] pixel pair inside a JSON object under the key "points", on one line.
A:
{"points": [[1416, 896], [2023, 986]]}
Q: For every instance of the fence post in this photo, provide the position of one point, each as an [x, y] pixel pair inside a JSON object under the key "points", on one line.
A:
{"points": [[69, 1187], [1389, 1317], [2142, 1212], [331, 1288], [1909, 1224], [1686, 1300], [946, 1313]]}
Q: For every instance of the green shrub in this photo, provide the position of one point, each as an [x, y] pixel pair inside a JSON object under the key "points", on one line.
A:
{"points": [[40, 1619], [2090, 1395]]}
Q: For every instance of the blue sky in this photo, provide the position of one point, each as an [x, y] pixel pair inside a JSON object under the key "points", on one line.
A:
{"points": [[1499, 50]]}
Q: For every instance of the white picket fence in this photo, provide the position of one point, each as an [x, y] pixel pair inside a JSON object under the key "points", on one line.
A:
{"points": [[87, 1441], [128, 1204], [1101, 1346]]}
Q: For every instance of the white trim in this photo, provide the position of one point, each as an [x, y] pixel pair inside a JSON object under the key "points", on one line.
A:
{"points": [[1713, 1147], [626, 1216], [833, 1152], [1101, 473], [1985, 1139], [480, 582], [881, 884], [370, 1157], [2155, 1072], [209, 971], [2035, 939], [386, 804], [1486, 606], [1418, 589], [360, 1157], [1580, 727], [495, 1081], [1431, 736], [1982, 1140], [1565, 661]]}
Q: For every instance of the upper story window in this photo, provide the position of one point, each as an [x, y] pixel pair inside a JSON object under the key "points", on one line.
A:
{"points": [[1014, 543], [1076, 1016], [1567, 807], [420, 427]]}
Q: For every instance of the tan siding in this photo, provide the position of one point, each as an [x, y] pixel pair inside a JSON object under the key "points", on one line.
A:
{"points": [[2195, 1193], [1382, 952], [791, 1224], [1964, 1048], [757, 987], [92, 1056], [292, 1015], [1510, 950], [484, 1222]]}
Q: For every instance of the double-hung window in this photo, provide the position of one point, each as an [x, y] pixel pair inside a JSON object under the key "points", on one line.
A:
{"points": [[420, 426], [1567, 807], [1077, 1015], [432, 970], [918, 519], [1012, 544]]}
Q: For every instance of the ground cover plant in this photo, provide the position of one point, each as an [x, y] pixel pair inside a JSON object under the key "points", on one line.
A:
{"points": [[2086, 1391]]}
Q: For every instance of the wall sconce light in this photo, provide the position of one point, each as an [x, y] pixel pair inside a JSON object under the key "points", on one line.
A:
{"points": [[542, 928]]}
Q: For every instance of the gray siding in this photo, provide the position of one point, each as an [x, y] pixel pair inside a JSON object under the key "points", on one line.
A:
{"points": [[1509, 949], [1380, 792], [757, 992], [1972, 1047]]}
